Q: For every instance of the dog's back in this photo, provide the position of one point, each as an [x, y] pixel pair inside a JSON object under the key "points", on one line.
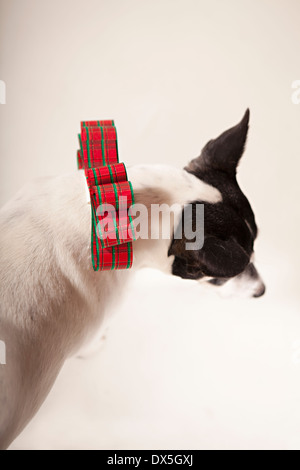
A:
{"points": [[51, 301]]}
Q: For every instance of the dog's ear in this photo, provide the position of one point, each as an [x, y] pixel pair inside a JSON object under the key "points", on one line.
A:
{"points": [[224, 152], [217, 258]]}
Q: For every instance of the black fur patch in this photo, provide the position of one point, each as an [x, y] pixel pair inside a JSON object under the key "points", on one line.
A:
{"points": [[229, 226]]}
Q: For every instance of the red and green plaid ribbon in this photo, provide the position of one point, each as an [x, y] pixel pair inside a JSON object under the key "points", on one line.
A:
{"points": [[111, 195]]}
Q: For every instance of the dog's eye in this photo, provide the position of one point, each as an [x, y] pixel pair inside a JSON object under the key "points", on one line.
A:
{"points": [[218, 281]]}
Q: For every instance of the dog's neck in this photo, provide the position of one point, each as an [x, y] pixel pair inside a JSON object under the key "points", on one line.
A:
{"points": [[171, 189]]}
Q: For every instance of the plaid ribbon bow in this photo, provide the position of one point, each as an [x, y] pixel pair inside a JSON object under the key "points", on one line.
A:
{"points": [[111, 195]]}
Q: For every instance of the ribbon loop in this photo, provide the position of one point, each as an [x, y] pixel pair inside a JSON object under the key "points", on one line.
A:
{"points": [[111, 196]]}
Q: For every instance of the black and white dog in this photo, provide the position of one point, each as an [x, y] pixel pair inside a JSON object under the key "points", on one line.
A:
{"points": [[52, 302]]}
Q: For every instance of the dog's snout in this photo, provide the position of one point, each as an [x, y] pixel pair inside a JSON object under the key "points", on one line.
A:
{"points": [[260, 291]]}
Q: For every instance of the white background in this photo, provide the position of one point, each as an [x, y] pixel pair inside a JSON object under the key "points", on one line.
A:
{"points": [[180, 367]]}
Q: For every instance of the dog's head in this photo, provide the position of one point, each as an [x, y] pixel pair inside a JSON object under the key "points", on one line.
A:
{"points": [[226, 258]]}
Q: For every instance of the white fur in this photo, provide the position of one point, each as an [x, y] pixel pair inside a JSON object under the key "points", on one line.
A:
{"points": [[52, 302], [242, 286]]}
